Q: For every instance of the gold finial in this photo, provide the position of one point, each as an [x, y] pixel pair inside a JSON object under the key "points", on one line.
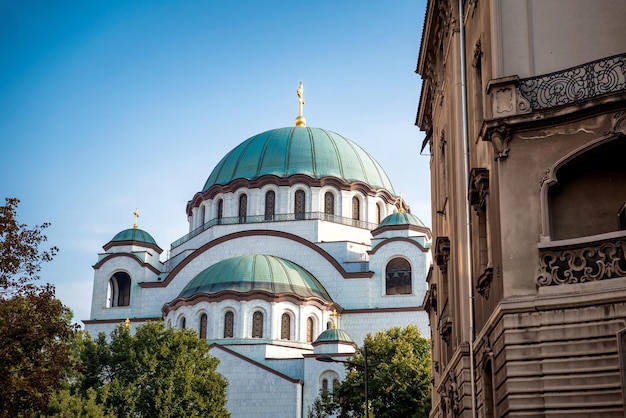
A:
{"points": [[136, 213], [400, 203], [127, 323], [334, 317], [300, 121]]}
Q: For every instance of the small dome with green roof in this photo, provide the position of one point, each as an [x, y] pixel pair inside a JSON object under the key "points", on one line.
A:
{"points": [[314, 152], [334, 335], [256, 272], [134, 234], [401, 218]]}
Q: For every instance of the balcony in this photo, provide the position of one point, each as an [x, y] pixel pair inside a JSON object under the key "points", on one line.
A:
{"points": [[580, 260], [306, 216]]}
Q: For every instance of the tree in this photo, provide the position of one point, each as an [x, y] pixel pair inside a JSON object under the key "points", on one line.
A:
{"points": [[20, 257], [35, 327], [156, 372], [398, 379]]}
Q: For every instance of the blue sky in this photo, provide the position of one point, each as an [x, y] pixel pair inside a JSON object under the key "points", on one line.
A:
{"points": [[107, 106]]}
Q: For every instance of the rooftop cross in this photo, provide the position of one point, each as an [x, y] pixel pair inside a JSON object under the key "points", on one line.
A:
{"points": [[300, 121], [334, 317], [136, 213]]}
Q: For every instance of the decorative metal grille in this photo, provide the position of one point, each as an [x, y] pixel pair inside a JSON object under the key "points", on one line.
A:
{"points": [[229, 325], [356, 208], [593, 79], [270, 202], [299, 205], [257, 325], [285, 327], [398, 277], [203, 326], [329, 203], [604, 260]]}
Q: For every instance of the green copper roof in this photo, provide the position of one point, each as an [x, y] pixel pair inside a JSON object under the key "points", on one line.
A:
{"points": [[256, 272], [334, 335], [134, 234], [314, 152], [401, 218]]}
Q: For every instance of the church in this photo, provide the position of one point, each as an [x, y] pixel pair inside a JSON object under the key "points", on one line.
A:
{"points": [[297, 246]]}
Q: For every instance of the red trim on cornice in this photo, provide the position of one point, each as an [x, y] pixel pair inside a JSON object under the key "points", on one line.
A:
{"points": [[396, 239], [115, 255], [119, 320], [246, 296], [257, 232], [415, 228], [262, 181], [254, 363], [111, 244]]}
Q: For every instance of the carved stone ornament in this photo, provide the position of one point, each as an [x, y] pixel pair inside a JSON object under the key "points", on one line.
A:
{"points": [[478, 188], [506, 98], [483, 285], [445, 329], [500, 138], [619, 123], [442, 253]]}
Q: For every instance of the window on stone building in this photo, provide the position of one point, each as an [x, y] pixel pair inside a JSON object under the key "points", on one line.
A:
{"points": [[325, 385], [285, 327], [270, 205], [201, 215], [243, 208], [182, 322], [118, 293], [203, 326], [488, 398], [299, 208], [309, 329], [379, 213], [398, 277], [356, 208], [329, 203], [220, 210], [257, 325], [229, 324]]}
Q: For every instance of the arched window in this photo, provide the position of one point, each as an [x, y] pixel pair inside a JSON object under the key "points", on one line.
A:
{"points": [[398, 277], [325, 385], [119, 290], [309, 329], [356, 208], [220, 210], [299, 206], [243, 208], [201, 215], [203, 326], [329, 203], [379, 213], [329, 324], [270, 205], [229, 324], [285, 327], [257, 325], [182, 322]]}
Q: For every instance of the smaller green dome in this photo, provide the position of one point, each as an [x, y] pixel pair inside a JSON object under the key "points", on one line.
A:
{"points": [[256, 272], [134, 234], [334, 335], [401, 218]]}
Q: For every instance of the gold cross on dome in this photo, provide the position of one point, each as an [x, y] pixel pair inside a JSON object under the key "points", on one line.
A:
{"points": [[136, 213], [334, 317]]}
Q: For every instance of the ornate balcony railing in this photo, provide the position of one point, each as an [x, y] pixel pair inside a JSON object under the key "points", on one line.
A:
{"points": [[584, 262], [586, 81], [237, 220]]}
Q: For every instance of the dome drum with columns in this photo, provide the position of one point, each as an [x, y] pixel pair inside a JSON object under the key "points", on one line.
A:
{"points": [[297, 246]]}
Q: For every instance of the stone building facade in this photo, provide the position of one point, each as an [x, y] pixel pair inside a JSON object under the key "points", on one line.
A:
{"points": [[524, 108]]}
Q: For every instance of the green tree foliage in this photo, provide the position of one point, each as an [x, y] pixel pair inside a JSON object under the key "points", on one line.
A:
{"points": [[398, 382], [156, 372], [35, 327], [20, 256]]}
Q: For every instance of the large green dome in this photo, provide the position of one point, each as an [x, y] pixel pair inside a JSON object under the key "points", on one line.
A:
{"points": [[256, 272], [314, 152]]}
